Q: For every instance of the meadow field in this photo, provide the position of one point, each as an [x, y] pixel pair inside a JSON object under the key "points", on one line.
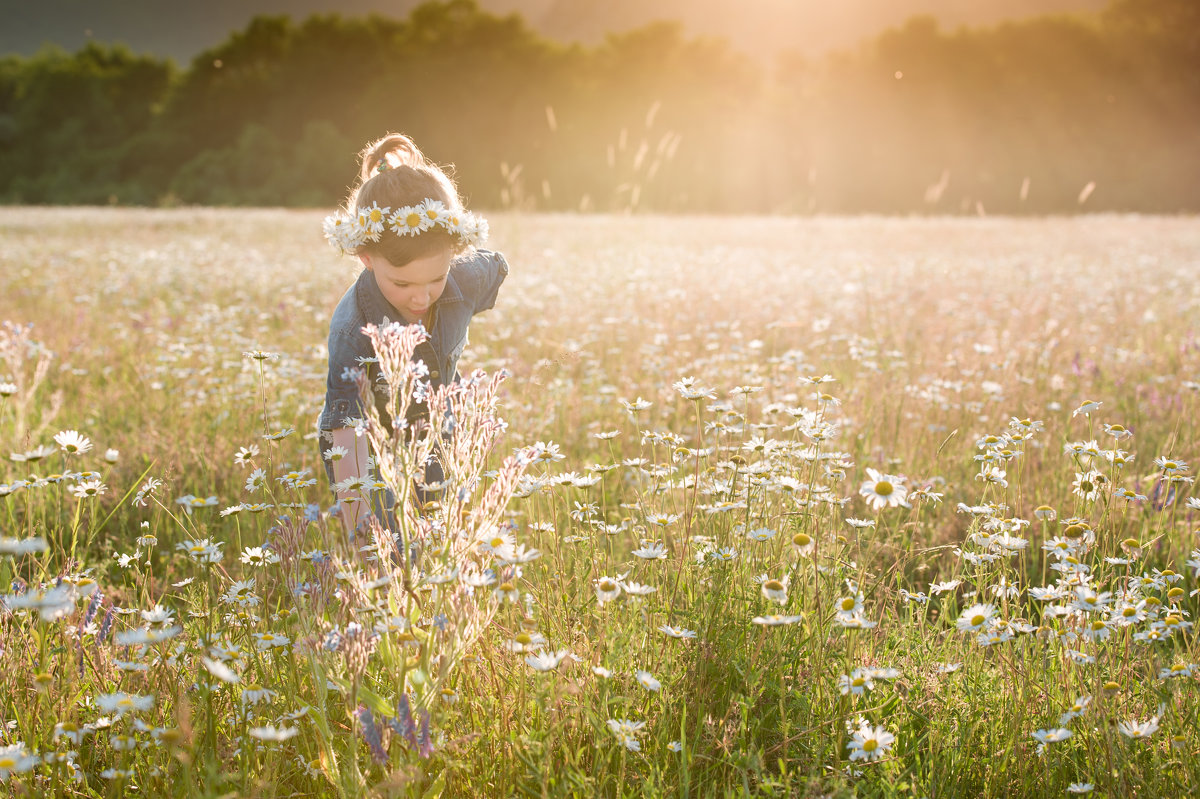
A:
{"points": [[777, 507]]}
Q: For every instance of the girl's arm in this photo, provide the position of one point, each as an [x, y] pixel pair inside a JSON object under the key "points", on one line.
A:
{"points": [[353, 464]]}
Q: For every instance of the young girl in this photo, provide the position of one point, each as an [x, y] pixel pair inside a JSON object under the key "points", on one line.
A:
{"points": [[418, 247]]}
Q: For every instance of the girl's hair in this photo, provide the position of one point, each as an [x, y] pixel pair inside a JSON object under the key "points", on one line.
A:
{"points": [[408, 179]]}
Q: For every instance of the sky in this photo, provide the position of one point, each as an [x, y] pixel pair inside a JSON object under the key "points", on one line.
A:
{"points": [[180, 29]]}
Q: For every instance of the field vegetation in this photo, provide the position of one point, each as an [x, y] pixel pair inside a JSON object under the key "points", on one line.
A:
{"points": [[777, 507]]}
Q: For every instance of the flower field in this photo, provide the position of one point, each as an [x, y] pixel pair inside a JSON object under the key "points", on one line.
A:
{"points": [[734, 506]]}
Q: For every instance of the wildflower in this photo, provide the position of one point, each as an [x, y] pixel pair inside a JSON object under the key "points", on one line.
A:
{"points": [[280, 434], [651, 551], [1086, 408], [122, 703], [775, 620], [202, 551], [1088, 485], [1168, 466], [1176, 670], [15, 760], [976, 617], [253, 694], [994, 475], [268, 640], [147, 635], [507, 592], [689, 390], [1081, 787], [857, 682], [676, 632], [23, 546], [72, 442], [601, 672], [775, 590], [626, 732], [525, 642], [1097, 630], [607, 589], [869, 743], [803, 544], [256, 480], [546, 661], [882, 490], [89, 489], [1052, 735], [1139, 730], [245, 455], [675, 746], [647, 681], [219, 670], [271, 733], [257, 556], [849, 605], [1076, 710], [854, 621], [190, 502]]}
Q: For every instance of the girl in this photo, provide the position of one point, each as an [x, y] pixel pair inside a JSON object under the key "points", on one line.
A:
{"points": [[418, 247]]}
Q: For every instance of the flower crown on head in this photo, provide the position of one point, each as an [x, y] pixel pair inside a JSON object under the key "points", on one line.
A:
{"points": [[347, 233]]}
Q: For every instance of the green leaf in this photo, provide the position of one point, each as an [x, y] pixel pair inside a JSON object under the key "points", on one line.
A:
{"points": [[368, 697], [435, 790]]}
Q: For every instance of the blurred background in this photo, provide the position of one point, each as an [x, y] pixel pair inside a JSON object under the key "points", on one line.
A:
{"points": [[760, 106]]}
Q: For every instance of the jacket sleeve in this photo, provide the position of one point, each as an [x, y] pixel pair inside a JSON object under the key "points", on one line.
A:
{"points": [[341, 391], [484, 273]]}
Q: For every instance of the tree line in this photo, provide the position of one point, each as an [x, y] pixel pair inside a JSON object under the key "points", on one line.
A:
{"points": [[1045, 115]]}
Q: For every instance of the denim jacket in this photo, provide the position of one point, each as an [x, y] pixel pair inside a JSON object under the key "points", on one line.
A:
{"points": [[471, 286]]}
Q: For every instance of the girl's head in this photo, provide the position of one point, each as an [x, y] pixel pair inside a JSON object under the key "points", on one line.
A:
{"points": [[395, 174]]}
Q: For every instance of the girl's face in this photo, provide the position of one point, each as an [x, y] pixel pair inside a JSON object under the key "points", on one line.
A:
{"points": [[412, 289]]}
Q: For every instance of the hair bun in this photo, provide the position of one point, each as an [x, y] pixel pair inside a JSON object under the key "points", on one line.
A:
{"points": [[395, 149]]}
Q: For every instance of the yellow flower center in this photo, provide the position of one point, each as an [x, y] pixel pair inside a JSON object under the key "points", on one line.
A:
{"points": [[801, 539], [523, 638], [858, 682], [608, 585], [978, 619], [883, 488], [506, 587], [848, 604], [413, 220], [870, 745], [773, 585]]}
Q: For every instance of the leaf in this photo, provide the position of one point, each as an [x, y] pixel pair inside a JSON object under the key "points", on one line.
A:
{"points": [[435, 789], [365, 695]]}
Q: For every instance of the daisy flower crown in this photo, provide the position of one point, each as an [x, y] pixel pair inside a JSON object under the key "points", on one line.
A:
{"points": [[346, 232]]}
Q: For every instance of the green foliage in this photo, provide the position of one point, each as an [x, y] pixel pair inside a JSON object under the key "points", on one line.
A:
{"points": [[1016, 118]]}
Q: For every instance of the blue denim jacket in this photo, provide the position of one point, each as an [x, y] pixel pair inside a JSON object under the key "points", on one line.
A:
{"points": [[471, 287]]}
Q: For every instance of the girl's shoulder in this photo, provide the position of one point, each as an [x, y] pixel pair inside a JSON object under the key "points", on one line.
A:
{"points": [[478, 275]]}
